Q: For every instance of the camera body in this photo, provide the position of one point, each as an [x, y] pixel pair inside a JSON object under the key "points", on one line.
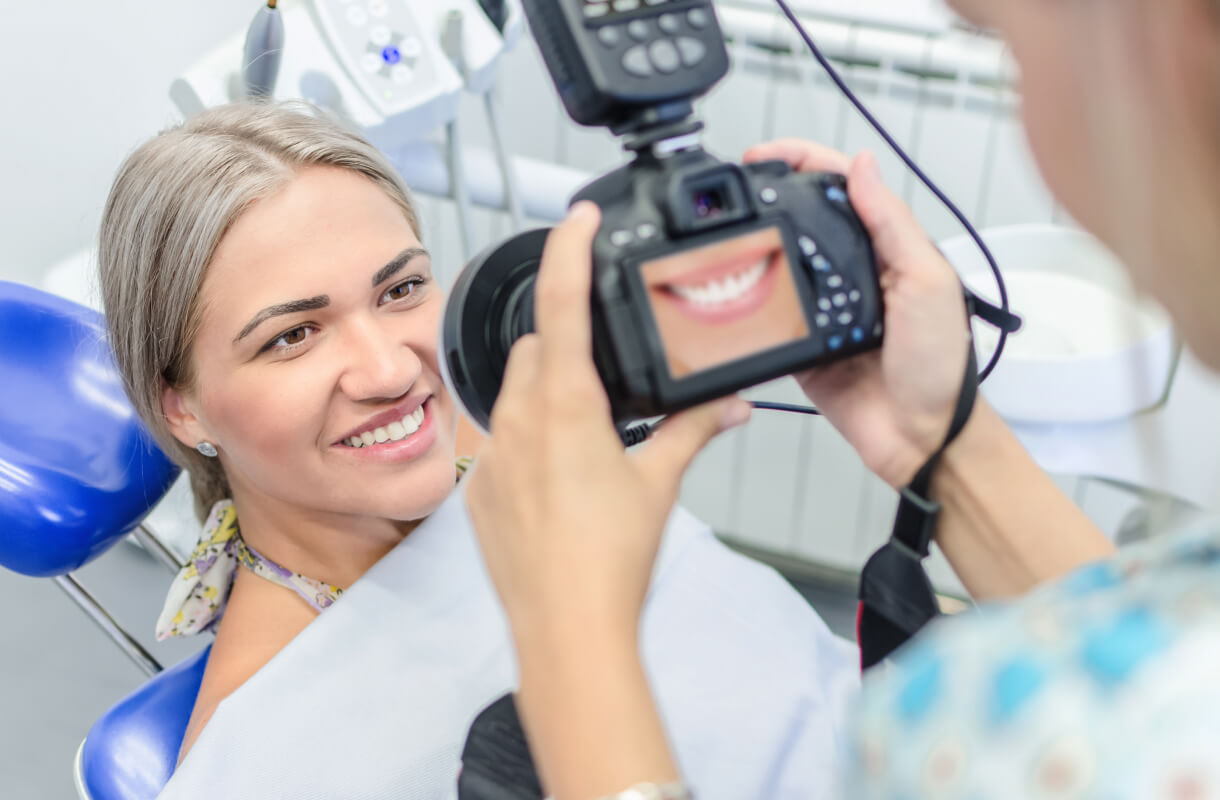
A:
{"points": [[709, 276], [656, 208]]}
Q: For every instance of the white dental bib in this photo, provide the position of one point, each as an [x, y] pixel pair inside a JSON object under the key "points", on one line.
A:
{"points": [[375, 697]]}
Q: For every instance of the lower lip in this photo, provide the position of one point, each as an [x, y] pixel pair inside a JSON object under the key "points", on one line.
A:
{"points": [[735, 309], [406, 449]]}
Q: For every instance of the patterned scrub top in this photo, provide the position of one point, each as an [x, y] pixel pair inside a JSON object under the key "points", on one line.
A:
{"points": [[1105, 685], [198, 595]]}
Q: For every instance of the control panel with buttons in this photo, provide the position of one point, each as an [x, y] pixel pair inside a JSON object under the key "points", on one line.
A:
{"points": [[387, 51], [840, 316]]}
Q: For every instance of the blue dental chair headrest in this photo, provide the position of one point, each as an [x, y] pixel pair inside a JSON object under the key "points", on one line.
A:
{"points": [[78, 470]]}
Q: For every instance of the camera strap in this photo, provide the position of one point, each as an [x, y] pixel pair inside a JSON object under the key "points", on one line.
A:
{"points": [[896, 596]]}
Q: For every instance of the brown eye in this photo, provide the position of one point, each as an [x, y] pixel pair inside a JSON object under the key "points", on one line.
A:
{"points": [[289, 339], [403, 290]]}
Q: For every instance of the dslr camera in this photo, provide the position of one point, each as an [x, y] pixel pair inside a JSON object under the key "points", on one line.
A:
{"points": [[708, 276]]}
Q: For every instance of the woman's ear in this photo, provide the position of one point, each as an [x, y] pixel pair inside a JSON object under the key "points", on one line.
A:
{"points": [[181, 418]]}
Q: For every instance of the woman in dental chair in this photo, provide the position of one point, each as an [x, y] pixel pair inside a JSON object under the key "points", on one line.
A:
{"points": [[274, 314]]}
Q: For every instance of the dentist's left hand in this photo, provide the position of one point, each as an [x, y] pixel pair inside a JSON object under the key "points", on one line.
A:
{"points": [[569, 522]]}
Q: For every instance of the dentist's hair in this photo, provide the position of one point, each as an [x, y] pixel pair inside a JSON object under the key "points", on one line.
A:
{"points": [[172, 202]]}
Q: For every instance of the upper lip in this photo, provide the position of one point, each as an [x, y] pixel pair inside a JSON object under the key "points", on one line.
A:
{"points": [[394, 414]]}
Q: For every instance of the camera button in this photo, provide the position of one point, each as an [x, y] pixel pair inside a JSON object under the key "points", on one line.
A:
{"points": [[820, 264], [401, 73], [845, 318], [854, 295], [646, 230], [808, 246], [698, 18], [839, 300], [834, 281], [380, 36], [626, 5], [692, 50], [621, 238], [670, 23], [636, 62], [836, 194], [664, 56], [597, 9], [822, 320], [824, 303], [638, 29], [767, 195], [411, 48], [371, 62], [857, 335], [834, 342], [608, 35]]}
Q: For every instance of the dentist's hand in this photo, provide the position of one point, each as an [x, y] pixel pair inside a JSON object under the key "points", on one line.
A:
{"points": [[894, 406], [570, 523]]}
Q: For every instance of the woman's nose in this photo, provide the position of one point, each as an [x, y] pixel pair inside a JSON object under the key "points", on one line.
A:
{"points": [[379, 365]]}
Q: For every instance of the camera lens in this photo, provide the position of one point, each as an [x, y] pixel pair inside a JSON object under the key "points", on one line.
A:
{"points": [[709, 203]]}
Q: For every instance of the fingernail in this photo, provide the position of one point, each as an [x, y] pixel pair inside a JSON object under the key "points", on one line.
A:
{"points": [[869, 163], [583, 210], [735, 412]]}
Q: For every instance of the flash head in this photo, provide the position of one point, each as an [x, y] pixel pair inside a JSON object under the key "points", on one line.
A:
{"points": [[629, 65]]}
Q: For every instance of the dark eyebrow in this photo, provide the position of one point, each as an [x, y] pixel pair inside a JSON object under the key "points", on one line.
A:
{"points": [[321, 301], [396, 263], [292, 307]]}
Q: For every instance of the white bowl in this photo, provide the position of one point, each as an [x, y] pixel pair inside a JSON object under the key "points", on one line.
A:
{"points": [[1091, 349]]}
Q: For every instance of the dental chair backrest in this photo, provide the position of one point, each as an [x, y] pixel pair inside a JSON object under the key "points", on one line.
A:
{"points": [[78, 471]]}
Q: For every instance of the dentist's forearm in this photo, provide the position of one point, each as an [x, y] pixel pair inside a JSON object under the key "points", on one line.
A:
{"points": [[1005, 526], [589, 714]]}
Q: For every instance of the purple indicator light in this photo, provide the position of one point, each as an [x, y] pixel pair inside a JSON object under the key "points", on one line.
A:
{"points": [[391, 55]]}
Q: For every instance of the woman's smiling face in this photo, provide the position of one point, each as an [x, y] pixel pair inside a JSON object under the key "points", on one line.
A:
{"points": [[319, 332]]}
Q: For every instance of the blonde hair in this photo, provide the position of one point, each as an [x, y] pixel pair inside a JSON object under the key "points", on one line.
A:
{"points": [[172, 202]]}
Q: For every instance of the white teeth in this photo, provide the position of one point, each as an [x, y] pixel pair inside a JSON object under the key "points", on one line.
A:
{"points": [[727, 289], [395, 431]]}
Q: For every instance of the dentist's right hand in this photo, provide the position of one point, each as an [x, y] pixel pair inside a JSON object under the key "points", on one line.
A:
{"points": [[893, 405], [1005, 526]]}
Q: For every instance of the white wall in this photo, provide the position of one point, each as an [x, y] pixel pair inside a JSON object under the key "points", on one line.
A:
{"points": [[83, 84]]}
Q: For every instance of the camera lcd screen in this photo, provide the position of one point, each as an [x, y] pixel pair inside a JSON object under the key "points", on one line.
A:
{"points": [[725, 301]]}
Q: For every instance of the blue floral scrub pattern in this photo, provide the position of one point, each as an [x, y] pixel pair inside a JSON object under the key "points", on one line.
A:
{"points": [[1104, 685]]}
